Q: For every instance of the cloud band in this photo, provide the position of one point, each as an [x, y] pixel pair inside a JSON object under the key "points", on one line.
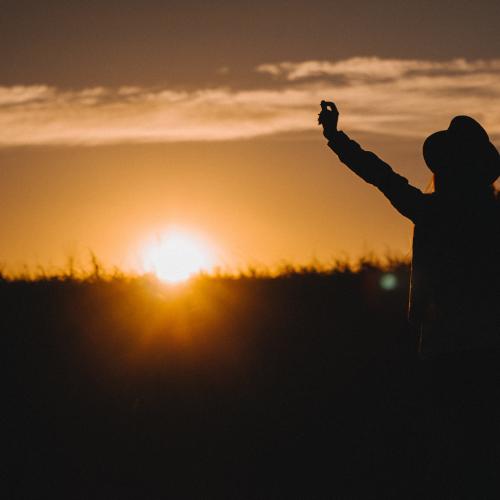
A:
{"points": [[399, 97]]}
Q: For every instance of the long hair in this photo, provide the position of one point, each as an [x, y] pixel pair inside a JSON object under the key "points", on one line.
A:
{"points": [[431, 187]]}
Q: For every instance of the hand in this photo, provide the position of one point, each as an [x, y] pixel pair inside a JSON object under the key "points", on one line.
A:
{"points": [[329, 119]]}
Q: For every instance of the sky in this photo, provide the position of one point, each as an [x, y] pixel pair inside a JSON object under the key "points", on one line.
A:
{"points": [[121, 121]]}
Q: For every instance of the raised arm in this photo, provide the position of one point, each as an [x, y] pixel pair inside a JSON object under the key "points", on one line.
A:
{"points": [[406, 199]]}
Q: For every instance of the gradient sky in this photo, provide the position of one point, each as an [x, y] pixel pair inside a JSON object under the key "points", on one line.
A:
{"points": [[122, 119]]}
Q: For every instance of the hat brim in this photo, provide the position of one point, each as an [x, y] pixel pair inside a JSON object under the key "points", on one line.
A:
{"points": [[444, 153]]}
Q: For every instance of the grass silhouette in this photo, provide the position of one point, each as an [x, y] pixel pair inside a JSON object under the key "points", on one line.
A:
{"points": [[294, 384]]}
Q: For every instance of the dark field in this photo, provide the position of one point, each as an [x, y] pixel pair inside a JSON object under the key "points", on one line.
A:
{"points": [[299, 386]]}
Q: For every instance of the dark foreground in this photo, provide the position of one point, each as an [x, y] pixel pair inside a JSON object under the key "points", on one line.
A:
{"points": [[302, 386]]}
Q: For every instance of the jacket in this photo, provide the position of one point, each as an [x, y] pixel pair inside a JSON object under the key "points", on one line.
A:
{"points": [[455, 276]]}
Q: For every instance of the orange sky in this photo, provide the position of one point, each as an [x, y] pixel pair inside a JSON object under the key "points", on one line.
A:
{"points": [[119, 121], [258, 202]]}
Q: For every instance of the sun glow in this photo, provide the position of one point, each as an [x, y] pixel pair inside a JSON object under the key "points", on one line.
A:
{"points": [[176, 257]]}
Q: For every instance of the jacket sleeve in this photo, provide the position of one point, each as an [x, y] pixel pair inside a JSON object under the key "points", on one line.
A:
{"points": [[406, 199]]}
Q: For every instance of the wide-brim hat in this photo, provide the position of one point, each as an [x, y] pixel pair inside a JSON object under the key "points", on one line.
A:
{"points": [[464, 148]]}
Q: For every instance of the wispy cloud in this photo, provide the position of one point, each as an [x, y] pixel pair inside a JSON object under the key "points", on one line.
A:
{"points": [[373, 68], [400, 97]]}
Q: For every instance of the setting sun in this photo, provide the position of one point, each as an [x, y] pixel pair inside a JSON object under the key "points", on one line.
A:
{"points": [[176, 257]]}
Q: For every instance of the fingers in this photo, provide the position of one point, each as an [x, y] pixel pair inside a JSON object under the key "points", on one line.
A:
{"points": [[328, 104], [328, 118], [323, 116]]}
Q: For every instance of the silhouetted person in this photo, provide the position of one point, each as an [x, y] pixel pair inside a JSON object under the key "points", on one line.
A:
{"points": [[454, 297]]}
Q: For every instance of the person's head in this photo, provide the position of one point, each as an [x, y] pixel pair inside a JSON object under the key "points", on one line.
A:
{"points": [[462, 157]]}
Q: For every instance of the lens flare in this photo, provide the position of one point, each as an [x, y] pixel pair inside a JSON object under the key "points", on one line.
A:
{"points": [[388, 281]]}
